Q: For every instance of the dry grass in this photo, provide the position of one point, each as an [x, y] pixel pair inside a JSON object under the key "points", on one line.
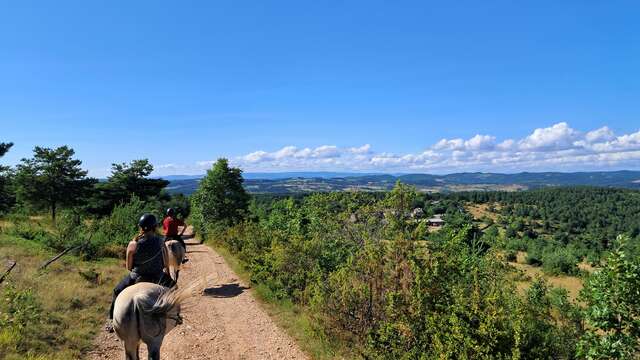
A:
{"points": [[74, 295], [571, 283], [479, 211]]}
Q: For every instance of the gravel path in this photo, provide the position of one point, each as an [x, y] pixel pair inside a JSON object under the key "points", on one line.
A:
{"points": [[225, 322]]}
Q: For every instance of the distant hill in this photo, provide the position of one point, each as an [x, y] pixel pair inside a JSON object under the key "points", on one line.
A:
{"points": [[294, 182]]}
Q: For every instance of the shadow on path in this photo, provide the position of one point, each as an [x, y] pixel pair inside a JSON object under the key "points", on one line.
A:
{"points": [[225, 291]]}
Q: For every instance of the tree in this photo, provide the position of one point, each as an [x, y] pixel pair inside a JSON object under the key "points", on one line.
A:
{"points": [[126, 180], [220, 198], [613, 309], [4, 147], [6, 196], [52, 179]]}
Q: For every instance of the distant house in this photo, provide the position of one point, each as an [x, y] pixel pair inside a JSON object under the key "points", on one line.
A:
{"points": [[436, 220]]}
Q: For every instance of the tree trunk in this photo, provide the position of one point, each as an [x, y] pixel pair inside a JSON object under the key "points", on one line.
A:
{"points": [[53, 212]]}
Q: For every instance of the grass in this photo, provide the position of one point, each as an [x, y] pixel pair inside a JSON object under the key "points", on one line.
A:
{"points": [[479, 211], [73, 296], [292, 318], [572, 284]]}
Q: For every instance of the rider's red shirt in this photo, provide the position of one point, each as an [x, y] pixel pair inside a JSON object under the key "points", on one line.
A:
{"points": [[170, 226]]}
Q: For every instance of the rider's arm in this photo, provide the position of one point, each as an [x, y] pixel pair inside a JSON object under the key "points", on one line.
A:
{"points": [[131, 250], [165, 226]]}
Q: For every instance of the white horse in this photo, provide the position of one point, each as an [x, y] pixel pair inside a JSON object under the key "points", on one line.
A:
{"points": [[175, 255], [146, 312]]}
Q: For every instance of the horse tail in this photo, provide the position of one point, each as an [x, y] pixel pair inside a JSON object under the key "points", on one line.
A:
{"points": [[169, 298]]}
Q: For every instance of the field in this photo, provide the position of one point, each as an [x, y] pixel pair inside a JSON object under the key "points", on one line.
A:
{"points": [[59, 310]]}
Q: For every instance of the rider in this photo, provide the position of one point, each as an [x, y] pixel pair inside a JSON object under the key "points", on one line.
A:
{"points": [[146, 261], [170, 226]]}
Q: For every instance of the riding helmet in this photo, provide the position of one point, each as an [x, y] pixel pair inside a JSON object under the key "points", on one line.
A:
{"points": [[147, 222], [170, 212]]}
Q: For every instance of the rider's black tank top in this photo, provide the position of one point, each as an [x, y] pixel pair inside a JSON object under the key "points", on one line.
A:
{"points": [[147, 260]]}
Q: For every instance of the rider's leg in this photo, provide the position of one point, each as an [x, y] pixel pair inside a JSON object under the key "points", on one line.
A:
{"points": [[127, 281]]}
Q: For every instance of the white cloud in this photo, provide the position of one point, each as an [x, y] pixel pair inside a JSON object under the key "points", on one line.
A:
{"points": [[557, 147], [445, 144], [506, 145], [364, 149], [326, 151], [558, 136], [256, 156], [599, 135], [480, 142]]}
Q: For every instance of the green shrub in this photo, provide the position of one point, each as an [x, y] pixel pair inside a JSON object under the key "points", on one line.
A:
{"points": [[534, 257], [511, 256], [612, 308], [516, 244], [112, 234], [370, 278], [559, 260], [30, 231]]}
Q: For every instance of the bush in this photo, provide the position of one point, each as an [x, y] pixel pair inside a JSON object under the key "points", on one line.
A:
{"points": [[612, 308], [511, 256], [30, 231], [561, 260], [516, 244], [369, 278], [112, 234], [534, 256]]}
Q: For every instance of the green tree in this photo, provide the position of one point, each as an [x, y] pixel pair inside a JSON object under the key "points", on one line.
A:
{"points": [[613, 309], [126, 180], [6, 196], [52, 179], [220, 198], [4, 147]]}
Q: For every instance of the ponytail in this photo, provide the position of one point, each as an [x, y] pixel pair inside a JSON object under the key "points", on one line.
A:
{"points": [[139, 236]]}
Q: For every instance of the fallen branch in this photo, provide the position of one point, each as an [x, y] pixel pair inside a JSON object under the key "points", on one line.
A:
{"points": [[57, 257], [13, 264], [64, 252]]}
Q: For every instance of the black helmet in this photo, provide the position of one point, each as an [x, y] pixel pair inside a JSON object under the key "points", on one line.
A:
{"points": [[147, 222], [170, 212]]}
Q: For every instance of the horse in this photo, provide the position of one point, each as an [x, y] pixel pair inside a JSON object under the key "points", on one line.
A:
{"points": [[146, 312], [175, 252]]}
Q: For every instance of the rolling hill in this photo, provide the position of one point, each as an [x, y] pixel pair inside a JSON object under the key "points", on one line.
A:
{"points": [[282, 183]]}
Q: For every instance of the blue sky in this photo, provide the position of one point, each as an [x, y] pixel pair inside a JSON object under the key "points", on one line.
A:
{"points": [[325, 85]]}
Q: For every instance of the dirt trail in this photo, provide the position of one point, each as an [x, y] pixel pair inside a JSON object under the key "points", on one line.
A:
{"points": [[225, 322]]}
